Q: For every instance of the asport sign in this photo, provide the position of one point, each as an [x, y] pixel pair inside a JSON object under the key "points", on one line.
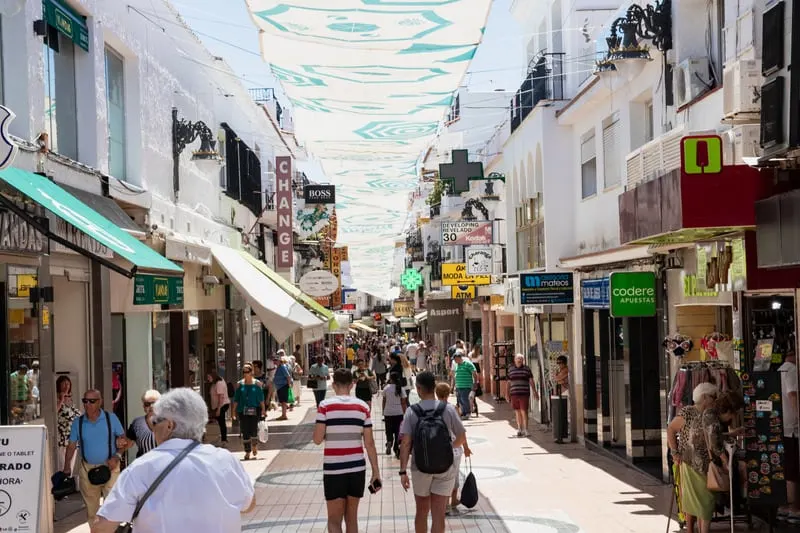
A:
{"points": [[633, 294], [546, 288], [284, 208]]}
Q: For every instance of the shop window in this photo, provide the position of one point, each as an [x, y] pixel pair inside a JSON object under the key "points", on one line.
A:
{"points": [[588, 166], [60, 101], [23, 348], [161, 359], [612, 153], [649, 129], [115, 100]]}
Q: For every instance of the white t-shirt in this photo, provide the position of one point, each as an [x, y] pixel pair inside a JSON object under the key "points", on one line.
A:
{"points": [[411, 350], [789, 384], [394, 407], [210, 481]]}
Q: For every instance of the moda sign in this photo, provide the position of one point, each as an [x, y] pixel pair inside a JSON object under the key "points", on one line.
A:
{"points": [[633, 294]]}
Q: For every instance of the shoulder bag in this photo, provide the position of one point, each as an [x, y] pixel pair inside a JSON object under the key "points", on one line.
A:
{"points": [[718, 477], [98, 475], [127, 527], [311, 382]]}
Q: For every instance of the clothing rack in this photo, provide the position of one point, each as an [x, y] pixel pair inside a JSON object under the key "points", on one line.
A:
{"points": [[692, 374]]}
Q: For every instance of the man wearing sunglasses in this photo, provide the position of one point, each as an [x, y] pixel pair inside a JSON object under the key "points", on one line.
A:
{"points": [[96, 432]]}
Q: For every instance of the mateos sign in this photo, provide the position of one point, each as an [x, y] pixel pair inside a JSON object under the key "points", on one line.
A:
{"points": [[546, 288], [633, 294]]}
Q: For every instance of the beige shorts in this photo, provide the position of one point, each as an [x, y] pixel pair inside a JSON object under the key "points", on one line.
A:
{"points": [[426, 484]]}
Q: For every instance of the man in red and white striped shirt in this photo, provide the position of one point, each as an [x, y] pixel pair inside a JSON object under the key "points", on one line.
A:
{"points": [[344, 423]]}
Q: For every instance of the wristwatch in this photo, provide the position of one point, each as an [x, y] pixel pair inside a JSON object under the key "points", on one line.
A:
{"points": [[403, 473]]}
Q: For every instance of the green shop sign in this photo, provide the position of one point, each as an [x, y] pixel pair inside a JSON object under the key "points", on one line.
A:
{"points": [[67, 21], [149, 290], [633, 294]]}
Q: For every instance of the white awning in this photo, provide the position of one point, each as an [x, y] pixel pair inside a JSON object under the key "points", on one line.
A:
{"points": [[280, 313], [391, 319], [364, 328], [187, 249], [419, 317], [620, 254]]}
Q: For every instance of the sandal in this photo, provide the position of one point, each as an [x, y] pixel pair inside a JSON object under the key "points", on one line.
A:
{"points": [[247, 456]]}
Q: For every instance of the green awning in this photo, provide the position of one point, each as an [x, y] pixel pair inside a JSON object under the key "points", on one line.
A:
{"points": [[67, 21], [296, 293], [71, 210]]}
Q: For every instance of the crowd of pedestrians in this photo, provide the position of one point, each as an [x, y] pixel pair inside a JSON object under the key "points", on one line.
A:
{"points": [[426, 438]]}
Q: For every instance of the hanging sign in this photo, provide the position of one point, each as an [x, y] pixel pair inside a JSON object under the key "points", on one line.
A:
{"points": [[319, 283], [8, 148], [594, 293], [22, 450], [283, 203], [403, 308], [411, 279], [546, 288], [497, 302], [633, 294], [456, 274], [463, 292], [479, 260], [462, 233], [701, 154], [164, 290], [319, 194]]}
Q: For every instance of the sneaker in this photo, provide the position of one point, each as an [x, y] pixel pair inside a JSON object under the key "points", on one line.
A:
{"points": [[524, 433], [388, 448], [519, 433], [247, 456], [448, 510]]}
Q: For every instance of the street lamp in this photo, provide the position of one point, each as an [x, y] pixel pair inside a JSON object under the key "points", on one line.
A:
{"points": [[185, 132], [626, 55]]}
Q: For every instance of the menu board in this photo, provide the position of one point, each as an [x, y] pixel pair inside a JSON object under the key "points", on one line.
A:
{"points": [[763, 422]]}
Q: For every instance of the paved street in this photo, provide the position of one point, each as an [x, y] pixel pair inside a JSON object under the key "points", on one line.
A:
{"points": [[527, 486]]}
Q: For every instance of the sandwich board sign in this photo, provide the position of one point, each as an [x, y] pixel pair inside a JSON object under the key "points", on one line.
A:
{"points": [[22, 469]]}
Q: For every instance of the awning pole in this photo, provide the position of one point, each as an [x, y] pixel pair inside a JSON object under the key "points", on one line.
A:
{"points": [[64, 242]]}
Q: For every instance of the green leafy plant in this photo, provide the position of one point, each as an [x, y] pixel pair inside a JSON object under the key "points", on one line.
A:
{"points": [[435, 197]]}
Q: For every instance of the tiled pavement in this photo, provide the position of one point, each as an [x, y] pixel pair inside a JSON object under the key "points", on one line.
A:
{"points": [[527, 486]]}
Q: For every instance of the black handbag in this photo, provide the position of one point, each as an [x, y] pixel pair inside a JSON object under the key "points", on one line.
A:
{"points": [[469, 492], [127, 527], [98, 475]]}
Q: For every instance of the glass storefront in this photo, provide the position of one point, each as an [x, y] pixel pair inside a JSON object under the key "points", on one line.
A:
{"points": [[161, 360], [22, 358]]}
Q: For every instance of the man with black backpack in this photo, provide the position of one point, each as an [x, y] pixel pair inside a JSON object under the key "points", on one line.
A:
{"points": [[428, 428]]}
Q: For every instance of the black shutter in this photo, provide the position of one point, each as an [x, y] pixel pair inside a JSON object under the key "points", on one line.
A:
{"points": [[772, 113], [772, 38]]}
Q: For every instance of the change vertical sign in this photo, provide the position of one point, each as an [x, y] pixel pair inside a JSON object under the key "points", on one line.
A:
{"points": [[633, 294], [283, 196]]}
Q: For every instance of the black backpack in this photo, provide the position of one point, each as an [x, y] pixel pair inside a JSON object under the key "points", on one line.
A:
{"points": [[433, 447]]}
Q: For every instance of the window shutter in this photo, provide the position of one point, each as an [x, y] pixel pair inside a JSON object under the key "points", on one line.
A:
{"points": [[612, 174], [587, 148]]}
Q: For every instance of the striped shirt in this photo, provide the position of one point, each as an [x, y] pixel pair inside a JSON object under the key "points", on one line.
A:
{"points": [[519, 379], [345, 418], [464, 372]]}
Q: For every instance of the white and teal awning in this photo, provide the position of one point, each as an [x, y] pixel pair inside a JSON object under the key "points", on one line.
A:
{"points": [[370, 81]]}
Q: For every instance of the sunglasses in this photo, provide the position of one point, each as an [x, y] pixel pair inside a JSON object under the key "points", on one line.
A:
{"points": [[90, 400], [147, 404], [246, 371]]}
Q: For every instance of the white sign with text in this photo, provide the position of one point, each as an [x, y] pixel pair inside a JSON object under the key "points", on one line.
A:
{"points": [[21, 477]]}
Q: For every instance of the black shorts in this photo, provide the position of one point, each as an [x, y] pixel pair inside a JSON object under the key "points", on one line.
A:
{"points": [[344, 485], [283, 394], [364, 394], [791, 462]]}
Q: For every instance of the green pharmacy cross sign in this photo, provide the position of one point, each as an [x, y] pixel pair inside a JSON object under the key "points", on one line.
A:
{"points": [[154, 290], [411, 279]]}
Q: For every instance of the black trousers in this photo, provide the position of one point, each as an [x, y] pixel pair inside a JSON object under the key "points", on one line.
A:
{"points": [[319, 395], [381, 380], [223, 425], [248, 424], [393, 431]]}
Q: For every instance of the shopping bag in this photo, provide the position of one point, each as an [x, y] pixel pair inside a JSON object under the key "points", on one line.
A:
{"points": [[291, 396], [469, 492], [263, 431]]}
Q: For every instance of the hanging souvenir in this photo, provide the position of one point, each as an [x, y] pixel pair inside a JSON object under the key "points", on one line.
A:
{"points": [[711, 344], [678, 345]]}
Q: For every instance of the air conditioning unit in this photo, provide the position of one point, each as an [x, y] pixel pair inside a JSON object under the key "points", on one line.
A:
{"points": [[692, 78], [742, 141], [741, 88]]}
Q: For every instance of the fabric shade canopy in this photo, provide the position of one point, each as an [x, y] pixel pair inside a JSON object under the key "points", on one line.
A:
{"points": [[363, 327], [420, 317], [70, 209], [280, 313], [370, 81]]}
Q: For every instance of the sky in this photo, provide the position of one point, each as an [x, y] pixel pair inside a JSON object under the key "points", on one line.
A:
{"points": [[227, 30]]}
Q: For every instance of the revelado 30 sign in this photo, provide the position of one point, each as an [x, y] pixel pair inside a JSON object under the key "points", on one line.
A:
{"points": [[462, 233]]}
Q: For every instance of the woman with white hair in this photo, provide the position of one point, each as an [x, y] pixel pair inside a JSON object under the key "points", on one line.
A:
{"points": [[140, 432], [208, 480], [695, 497]]}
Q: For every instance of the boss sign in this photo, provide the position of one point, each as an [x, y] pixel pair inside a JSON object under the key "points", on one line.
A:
{"points": [[283, 196]]}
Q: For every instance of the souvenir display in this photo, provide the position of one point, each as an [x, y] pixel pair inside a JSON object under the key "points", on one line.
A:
{"points": [[763, 422]]}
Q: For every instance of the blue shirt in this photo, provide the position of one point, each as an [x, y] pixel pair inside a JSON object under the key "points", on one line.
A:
{"points": [[281, 378], [95, 437]]}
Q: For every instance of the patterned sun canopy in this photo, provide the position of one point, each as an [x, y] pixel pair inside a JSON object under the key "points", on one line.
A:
{"points": [[370, 81]]}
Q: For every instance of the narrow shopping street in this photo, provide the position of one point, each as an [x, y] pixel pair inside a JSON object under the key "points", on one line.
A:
{"points": [[527, 485]]}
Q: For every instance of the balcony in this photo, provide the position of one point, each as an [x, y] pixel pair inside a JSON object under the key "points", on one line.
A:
{"points": [[544, 81]]}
